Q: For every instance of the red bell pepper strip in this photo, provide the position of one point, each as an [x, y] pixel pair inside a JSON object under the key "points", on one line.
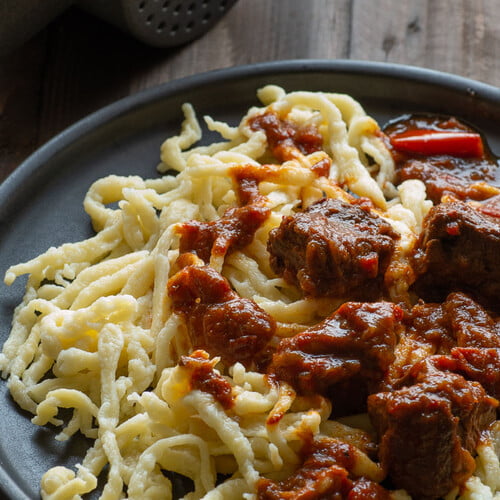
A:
{"points": [[439, 142]]}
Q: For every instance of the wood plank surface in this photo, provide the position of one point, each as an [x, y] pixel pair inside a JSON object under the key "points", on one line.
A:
{"points": [[79, 63]]}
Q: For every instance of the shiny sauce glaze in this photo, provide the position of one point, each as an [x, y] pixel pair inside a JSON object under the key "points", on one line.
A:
{"points": [[285, 138], [344, 357], [448, 156], [203, 377], [326, 473], [234, 230], [333, 249], [480, 364], [218, 320], [458, 250], [429, 430], [237, 226]]}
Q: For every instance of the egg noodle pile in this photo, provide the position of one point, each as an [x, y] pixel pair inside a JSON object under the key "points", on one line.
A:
{"points": [[95, 332]]}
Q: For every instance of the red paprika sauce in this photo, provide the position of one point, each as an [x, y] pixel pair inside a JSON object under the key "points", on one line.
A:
{"points": [[447, 155], [285, 138], [204, 378]]}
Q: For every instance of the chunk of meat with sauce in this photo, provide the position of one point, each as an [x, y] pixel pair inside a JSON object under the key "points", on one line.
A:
{"points": [[234, 230], [327, 472], [458, 249], [344, 357], [473, 177], [458, 321], [481, 365], [431, 323], [473, 326], [333, 249], [473, 363], [284, 138], [438, 328], [218, 320], [427, 331], [429, 430]]}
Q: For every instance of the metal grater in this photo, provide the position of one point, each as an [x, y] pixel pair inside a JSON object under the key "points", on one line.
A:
{"points": [[160, 23]]}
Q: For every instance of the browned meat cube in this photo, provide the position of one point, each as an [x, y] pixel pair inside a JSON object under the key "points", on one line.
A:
{"points": [[441, 328], [459, 249], [333, 249], [481, 365], [218, 320], [344, 357], [472, 324], [428, 430]]}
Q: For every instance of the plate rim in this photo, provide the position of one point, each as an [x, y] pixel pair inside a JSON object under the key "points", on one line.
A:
{"points": [[58, 143], [469, 87]]}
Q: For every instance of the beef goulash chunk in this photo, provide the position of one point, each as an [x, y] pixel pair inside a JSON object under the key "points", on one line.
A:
{"points": [[446, 155], [430, 323], [438, 328], [458, 321], [328, 471], [458, 249], [429, 430], [345, 357], [218, 320], [333, 249], [472, 325], [427, 331], [479, 364]]}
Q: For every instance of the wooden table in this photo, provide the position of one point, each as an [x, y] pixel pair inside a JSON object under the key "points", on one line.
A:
{"points": [[78, 63]]}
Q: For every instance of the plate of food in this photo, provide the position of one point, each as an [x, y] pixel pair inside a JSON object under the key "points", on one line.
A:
{"points": [[270, 281]]}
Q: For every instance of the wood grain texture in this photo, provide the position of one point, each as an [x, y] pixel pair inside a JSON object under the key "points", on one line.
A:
{"points": [[79, 63], [456, 36], [21, 77]]}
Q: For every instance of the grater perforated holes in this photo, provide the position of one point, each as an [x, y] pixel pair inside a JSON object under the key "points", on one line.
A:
{"points": [[174, 29], [173, 22]]}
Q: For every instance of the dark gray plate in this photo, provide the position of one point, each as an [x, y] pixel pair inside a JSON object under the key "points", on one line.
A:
{"points": [[41, 202]]}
